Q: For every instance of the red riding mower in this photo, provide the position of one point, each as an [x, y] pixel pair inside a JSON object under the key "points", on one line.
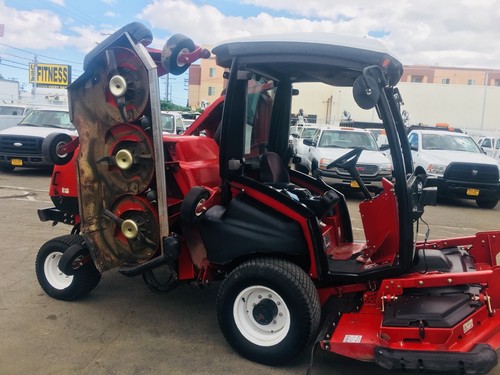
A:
{"points": [[226, 206]]}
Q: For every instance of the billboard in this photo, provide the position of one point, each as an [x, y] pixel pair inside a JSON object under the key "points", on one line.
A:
{"points": [[50, 75]]}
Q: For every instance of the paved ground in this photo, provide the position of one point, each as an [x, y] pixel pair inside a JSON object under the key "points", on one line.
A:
{"points": [[122, 327]]}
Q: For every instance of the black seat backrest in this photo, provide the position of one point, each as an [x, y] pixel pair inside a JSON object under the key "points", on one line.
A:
{"points": [[272, 169]]}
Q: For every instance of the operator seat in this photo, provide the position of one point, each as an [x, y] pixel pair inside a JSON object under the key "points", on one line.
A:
{"points": [[274, 173]]}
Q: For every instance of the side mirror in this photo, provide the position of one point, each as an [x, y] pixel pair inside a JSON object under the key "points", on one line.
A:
{"points": [[309, 142], [366, 91], [413, 148], [295, 135], [384, 147]]}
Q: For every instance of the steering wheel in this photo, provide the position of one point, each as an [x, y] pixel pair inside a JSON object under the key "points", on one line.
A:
{"points": [[347, 161]]}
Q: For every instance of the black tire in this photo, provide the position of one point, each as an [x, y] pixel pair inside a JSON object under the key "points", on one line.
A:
{"points": [[487, 203], [314, 169], [174, 46], [50, 146], [53, 281], [192, 208], [420, 182], [6, 168], [284, 299]]}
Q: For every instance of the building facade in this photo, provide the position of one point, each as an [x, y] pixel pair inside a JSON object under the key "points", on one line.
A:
{"points": [[451, 76], [206, 83], [461, 97]]}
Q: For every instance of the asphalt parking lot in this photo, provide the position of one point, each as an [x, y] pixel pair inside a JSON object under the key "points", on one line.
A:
{"points": [[122, 327]]}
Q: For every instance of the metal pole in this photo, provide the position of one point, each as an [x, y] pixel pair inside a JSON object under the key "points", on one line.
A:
{"points": [[483, 110], [166, 87]]}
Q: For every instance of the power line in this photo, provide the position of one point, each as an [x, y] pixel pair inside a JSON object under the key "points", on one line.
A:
{"points": [[44, 56], [11, 61], [12, 66], [65, 12]]}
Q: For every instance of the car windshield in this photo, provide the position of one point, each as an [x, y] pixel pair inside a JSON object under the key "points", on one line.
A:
{"points": [[308, 132], [44, 118], [348, 139], [167, 122], [449, 143]]}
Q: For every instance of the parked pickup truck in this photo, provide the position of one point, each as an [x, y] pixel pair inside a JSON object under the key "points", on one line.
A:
{"points": [[22, 145], [490, 145], [328, 144], [457, 164], [12, 114], [300, 150]]}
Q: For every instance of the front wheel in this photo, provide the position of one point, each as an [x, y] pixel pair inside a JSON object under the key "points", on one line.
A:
{"points": [[268, 310], [485, 203], [56, 283]]}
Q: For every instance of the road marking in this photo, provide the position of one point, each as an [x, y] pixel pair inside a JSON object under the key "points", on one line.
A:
{"points": [[23, 188]]}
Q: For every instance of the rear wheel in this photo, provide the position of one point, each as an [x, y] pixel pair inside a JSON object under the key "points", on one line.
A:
{"points": [[487, 203], [268, 310], [56, 283]]}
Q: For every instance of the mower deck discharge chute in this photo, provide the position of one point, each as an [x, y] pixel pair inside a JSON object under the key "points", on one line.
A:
{"points": [[220, 203]]}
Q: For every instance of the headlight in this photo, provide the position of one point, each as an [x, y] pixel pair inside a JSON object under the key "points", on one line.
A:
{"points": [[323, 163], [385, 168], [436, 169]]}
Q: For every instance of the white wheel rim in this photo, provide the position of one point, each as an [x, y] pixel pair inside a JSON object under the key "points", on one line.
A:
{"points": [[250, 302], [56, 278], [60, 144]]}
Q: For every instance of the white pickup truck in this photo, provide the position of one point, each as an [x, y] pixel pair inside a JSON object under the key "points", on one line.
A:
{"points": [[490, 145], [23, 145], [12, 114], [330, 143], [457, 164], [300, 150]]}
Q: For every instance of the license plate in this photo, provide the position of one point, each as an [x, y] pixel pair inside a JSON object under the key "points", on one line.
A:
{"points": [[16, 162], [354, 184], [473, 192]]}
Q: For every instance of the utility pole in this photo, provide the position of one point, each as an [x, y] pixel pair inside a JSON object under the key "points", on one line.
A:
{"points": [[483, 110], [167, 87], [35, 75]]}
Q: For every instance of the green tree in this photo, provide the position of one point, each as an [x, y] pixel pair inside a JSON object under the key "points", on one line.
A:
{"points": [[169, 106]]}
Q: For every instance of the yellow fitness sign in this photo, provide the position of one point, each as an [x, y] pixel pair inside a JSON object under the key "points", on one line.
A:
{"points": [[50, 75]]}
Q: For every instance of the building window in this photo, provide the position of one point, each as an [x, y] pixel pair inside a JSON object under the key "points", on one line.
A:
{"points": [[471, 82], [211, 91], [445, 81], [497, 82], [212, 72], [417, 79]]}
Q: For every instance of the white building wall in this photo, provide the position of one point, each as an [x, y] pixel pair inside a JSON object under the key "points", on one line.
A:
{"points": [[472, 108]]}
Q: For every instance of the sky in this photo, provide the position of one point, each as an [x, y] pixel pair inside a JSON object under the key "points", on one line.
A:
{"points": [[452, 33]]}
